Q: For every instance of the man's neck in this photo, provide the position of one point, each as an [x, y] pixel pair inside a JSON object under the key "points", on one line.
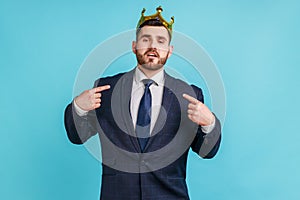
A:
{"points": [[149, 73]]}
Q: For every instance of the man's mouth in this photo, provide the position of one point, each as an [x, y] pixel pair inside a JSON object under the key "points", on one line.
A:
{"points": [[152, 55]]}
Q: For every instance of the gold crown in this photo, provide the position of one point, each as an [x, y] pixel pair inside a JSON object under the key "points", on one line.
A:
{"points": [[156, 16]]}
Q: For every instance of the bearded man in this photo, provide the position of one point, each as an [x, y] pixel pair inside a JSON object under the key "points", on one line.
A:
{"points": [[147, 122]]}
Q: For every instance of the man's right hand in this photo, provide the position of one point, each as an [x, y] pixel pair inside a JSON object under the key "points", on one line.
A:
{"points": [[91, 99]]}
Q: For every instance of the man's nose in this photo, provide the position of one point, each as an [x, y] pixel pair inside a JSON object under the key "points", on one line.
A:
{"points": [[153, 44]]}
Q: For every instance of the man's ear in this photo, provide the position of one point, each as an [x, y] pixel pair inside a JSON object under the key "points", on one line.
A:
{"points": [[134, 47], [170, 50]]}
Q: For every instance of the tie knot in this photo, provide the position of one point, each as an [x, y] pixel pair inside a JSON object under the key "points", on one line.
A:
{"points": [[148, 82]]}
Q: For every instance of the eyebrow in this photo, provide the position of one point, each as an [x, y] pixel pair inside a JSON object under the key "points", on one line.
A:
{"points": [[146, 35]]}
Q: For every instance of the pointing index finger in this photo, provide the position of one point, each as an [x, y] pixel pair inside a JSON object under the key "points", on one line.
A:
{"points": [[102, 88], [190, 99]]}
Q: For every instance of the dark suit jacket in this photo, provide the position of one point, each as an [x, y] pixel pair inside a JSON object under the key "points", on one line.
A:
{"points": [[159, 172]]}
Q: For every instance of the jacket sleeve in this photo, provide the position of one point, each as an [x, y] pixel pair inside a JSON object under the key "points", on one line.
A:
{"points": [[206, 145], [79, 129]]}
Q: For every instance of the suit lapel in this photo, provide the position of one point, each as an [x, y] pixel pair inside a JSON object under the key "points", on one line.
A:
{"points": [[168, 97], [126, 89]]}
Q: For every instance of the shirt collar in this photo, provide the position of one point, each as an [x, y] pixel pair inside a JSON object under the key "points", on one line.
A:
{"points": [[157, 78]]}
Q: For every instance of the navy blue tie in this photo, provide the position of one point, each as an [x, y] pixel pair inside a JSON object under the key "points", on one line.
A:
{"points": [[144, 116]]}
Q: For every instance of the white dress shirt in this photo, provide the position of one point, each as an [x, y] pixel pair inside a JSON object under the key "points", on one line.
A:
{"points": [[137, 92]]}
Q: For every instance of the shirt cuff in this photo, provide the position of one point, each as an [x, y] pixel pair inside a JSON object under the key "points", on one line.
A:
{"points": [[207, 129], [78, 110]]}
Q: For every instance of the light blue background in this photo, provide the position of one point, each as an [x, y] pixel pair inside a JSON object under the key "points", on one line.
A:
{"points": [[255, 45]]}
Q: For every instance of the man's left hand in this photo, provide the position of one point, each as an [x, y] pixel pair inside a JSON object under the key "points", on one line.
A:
{"points": [[198, 112]]}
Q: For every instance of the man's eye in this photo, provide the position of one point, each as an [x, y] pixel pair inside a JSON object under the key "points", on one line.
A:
{"points": [[161, 41], [145, 40]]}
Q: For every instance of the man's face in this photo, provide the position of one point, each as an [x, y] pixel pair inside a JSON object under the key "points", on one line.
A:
{"points": [[152, 47]]}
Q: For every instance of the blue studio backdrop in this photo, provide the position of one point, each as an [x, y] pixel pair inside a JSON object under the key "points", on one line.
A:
{"points": [[254, 44]]}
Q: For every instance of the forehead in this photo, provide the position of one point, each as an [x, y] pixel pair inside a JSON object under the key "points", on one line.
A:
{"points": [[154, 31]]}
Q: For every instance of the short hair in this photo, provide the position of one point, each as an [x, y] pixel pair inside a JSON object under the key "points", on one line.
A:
{"points": [[151, 22]]}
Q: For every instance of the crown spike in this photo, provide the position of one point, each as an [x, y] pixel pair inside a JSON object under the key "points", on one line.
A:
{"points": [[143, 11], [159, 9]]}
